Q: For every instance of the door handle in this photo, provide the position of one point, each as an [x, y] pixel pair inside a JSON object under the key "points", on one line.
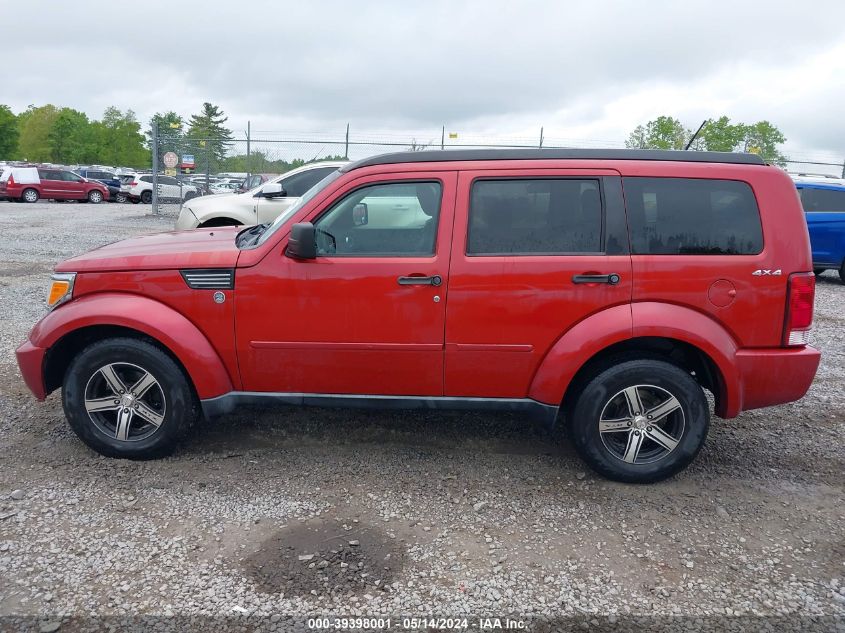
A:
{"points": [[610, 279], [436, 280]]}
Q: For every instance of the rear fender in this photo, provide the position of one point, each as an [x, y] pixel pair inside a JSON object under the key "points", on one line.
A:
{"points": [[162, 323]]}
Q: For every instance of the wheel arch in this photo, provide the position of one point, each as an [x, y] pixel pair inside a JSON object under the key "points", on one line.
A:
{"points": [[220, 220], [65, 331]]}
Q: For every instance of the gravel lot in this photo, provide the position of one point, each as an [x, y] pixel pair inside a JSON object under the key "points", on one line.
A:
{"points": [[269, 514]]}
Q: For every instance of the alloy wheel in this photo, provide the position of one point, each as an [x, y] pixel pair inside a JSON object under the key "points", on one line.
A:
{"points": [[30, 195], [124, 401], [641, 424]]}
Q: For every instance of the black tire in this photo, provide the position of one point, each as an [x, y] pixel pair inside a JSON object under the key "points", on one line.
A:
{"points": [[29, 195], [170, 401], [687, 425], [95, 197], [146, 196], [120, 197], [819, 271]]}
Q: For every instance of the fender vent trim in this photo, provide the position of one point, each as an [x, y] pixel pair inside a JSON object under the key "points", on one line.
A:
{"points": [[209, 278]]}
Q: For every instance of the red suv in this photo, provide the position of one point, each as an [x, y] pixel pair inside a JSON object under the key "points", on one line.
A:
{"points": [[607, 289], [56, 184]]}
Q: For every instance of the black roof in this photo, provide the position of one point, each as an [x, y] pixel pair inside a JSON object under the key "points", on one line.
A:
{"points": [[445, 155]]}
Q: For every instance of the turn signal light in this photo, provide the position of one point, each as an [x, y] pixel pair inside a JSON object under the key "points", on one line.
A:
{"points": [[61, 289]]}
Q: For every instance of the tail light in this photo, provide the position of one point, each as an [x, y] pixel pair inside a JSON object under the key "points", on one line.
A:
{"points": [[133, 184], [801, 290], [11, 180]]}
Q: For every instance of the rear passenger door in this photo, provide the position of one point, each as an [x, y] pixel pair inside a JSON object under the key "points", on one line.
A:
{"points": [[535, 251]]}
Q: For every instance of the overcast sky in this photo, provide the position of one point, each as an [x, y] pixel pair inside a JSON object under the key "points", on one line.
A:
{"points": [[588, 71]]}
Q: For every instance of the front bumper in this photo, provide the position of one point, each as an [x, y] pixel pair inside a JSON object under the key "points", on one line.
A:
{"points": [[31, 363], [775, 376]]}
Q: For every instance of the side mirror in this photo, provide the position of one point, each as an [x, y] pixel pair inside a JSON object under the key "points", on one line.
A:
{"points": [[303, 241], [272, 190], [360, 214]]}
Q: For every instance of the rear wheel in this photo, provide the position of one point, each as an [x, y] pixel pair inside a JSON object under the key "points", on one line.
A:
{"points": [[146, 197], [127, 398], [95, 196], [29, 195], [640, 421]]}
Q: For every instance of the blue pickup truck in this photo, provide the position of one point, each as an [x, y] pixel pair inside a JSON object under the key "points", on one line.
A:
{"points": [[824, 207]]}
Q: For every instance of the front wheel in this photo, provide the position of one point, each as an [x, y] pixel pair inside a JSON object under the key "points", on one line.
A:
{"points": [[95, 196], [127, 398], [640, 421], [120, 197]]}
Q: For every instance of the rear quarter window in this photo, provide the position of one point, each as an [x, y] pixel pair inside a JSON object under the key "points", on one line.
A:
{"points": [[822, 200], [692, 216]]}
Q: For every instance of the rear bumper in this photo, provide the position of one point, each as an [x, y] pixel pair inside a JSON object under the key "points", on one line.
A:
{"points": [[774, 376], [31, 364]]}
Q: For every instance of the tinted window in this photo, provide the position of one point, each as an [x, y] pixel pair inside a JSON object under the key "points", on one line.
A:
{"points": [[391, 219], [550, 215], [146, 179], [687, 216], [298, 184], [167, 180], [69, 176], [823, 200]]}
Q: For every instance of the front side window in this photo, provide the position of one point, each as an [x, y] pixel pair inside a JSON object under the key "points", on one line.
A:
{"points": [[382, 220], [822, 200], [692, 216], [298, 184], [146, 179], [550, 216]]}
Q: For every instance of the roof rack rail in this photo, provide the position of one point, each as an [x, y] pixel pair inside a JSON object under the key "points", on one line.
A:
{"points": [[447, 155]]}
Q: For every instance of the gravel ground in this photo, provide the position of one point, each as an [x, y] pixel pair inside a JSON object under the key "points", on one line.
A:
{"points": [[266, 515]]}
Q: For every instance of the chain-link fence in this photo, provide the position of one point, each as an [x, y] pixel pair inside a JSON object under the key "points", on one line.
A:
{"points": [[185, 167]]}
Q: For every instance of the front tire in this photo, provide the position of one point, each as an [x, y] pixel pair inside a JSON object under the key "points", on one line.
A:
{"points": [[120, 197], [126, 398], [30, 195], [640, 421], [95, 197]]}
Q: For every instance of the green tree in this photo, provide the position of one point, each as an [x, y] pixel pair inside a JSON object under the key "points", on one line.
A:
{"points": [[721, 135], [764, 138], [664, 132], [8, 133], [71, 138], [208, 133], [35, 124], [170, 126], [120, 140]]}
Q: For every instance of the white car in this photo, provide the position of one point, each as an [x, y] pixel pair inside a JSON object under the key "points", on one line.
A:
{"points": [[256, 206], [140, 189], [224, 187]]}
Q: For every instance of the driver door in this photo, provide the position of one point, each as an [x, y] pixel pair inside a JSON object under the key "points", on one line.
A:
{"points": [[367, 315]]}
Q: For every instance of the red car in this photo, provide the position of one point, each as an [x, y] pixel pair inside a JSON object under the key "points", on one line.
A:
{"points": [[54, 184], [606, 289]]}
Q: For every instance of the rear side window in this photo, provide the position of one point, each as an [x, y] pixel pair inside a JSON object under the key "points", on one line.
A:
{"points": [[823, 200], [146, 179], [298, 184], [550, 216], [691, 216]]}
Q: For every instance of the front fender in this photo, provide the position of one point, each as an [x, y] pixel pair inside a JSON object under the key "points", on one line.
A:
{"points": [[155, 319], [583, 341]]}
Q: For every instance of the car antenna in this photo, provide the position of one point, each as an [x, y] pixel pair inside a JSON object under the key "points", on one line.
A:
{"points": [[703, 123]]}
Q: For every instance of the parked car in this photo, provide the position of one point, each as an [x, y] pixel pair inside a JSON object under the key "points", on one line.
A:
{"points": [[605, 289], [109, 179], [224, 187], [824, 206], [29, 184], [262, 204], [140, 189], [253, 181]]}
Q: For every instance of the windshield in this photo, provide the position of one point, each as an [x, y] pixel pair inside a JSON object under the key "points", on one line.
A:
{"points": [[305, 199]]}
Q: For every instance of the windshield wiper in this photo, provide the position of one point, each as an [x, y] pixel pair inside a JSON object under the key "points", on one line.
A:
{"points": [[250, 236]]}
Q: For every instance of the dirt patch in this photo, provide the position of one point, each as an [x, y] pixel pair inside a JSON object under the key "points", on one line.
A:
{"points": [[326, 557]]}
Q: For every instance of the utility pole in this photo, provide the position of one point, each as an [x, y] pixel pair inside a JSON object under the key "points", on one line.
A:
{"points": [[443, 138], [541, 137], [843, 171], [248, 161], [155, 167]]}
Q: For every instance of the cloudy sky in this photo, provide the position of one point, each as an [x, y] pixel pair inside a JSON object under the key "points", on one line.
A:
{"points": [[586, 71]]}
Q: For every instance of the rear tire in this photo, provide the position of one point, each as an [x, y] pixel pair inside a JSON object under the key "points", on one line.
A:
{"points": [[127, 398], [95, 197], [30, 195], [612, 432], [146, 197]]}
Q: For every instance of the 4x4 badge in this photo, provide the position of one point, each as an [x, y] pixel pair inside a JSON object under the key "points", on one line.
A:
{"points": [[760, 272]]}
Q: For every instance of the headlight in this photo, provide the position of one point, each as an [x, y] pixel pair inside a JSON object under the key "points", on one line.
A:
{"points": [[61, 289]]}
